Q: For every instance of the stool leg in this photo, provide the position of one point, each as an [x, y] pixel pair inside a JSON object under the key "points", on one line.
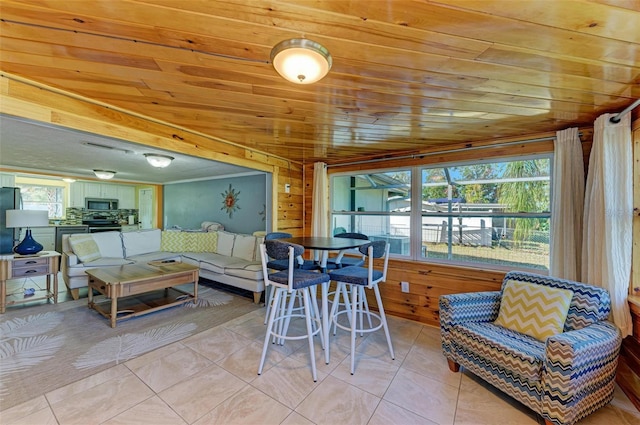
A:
{"points": [[383, 318], [366, 306], [268, 298], [292, 300], [270, 325], [307, 317], [316, 314], [354, 310]]}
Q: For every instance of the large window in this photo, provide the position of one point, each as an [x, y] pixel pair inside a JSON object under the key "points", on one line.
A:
{"points": [[492, 213], [376, 204], [43, 197]]}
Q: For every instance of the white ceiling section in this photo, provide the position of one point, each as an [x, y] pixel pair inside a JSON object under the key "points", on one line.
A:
{"points": [[76, 154]]}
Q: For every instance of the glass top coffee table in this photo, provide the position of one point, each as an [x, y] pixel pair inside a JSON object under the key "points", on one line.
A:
{"points": [[117, 282]]}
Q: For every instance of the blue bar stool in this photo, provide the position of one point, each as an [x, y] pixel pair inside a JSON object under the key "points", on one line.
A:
{"points": [[357, 279], [287, 284]]}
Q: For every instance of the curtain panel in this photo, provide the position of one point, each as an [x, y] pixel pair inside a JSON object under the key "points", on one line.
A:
{"points": [[608, 215], [567, 206], [320, 206]]}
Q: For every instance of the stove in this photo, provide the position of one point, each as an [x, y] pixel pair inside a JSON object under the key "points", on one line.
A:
{"points": [[102, 225]]}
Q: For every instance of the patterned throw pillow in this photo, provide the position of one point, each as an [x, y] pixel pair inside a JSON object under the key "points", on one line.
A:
{"points": [[201, 242], [172, 241], [536, 310], [85, 247]]}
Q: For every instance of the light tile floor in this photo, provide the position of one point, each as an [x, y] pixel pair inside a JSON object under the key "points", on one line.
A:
{"points": [[211, 378]]}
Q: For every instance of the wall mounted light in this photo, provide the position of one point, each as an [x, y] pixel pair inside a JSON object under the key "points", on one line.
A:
{"points": [[104, 174], [301, 61], [159, 161]]}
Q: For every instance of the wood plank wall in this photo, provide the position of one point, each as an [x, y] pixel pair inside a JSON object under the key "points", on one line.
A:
{"points": [[34, 101], [430, 280]]}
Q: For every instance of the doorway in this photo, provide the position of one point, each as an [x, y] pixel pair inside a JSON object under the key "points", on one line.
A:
{"points": [[145, 204]]}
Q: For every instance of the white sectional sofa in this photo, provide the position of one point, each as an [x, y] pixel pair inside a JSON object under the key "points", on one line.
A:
{"points": [[229, 258]]}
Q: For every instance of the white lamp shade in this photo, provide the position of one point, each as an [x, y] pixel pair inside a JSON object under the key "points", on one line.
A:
{"points": [[159, 161], [301, 61], [27, 218], [104, 174]]}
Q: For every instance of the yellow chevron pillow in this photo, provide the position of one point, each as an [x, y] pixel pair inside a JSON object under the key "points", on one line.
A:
{"points": [[536, 310]]}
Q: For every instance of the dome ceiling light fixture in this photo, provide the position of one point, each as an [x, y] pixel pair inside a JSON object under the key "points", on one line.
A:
{"points": [[157, 160], [301, 61], [104, 174]]}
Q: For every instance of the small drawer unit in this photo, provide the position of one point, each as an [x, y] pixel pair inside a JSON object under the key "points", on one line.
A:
{"points": [[18, 267], [29, 267]]}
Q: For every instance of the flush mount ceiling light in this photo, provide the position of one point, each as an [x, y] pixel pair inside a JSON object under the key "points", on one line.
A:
{"points": [[301, 61], [104, 174], [68, 180], [159, 161]]}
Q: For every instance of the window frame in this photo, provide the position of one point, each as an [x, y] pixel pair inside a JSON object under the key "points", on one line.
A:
{"points": [[58, 187], [415, 215]]}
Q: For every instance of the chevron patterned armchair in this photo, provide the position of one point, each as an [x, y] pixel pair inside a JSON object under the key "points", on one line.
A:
{"points": [[544, 341]]}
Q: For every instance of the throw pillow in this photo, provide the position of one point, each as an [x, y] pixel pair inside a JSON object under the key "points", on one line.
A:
{"points": [[109, 243], [244, 247], [141, 242], [172, 241], [535, 310], [85, 248], [225, 243], [201, 242]]}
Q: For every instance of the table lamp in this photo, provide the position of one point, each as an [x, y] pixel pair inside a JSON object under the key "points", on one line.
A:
{"points": [[28, 219]]}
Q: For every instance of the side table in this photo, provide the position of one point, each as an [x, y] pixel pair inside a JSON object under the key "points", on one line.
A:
{"points": [[18, 266]]}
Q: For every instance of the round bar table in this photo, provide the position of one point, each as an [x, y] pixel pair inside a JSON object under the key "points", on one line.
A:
{"points": [[325, 244]]}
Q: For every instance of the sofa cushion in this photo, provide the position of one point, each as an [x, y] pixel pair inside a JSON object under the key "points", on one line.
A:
{"points": [[535, 310], [141, 242], [107, 261], [251, 270], [155, 256], [211, 261], [109, 243], [225, 243], [244, 247], [84, 246], [483, 342]]}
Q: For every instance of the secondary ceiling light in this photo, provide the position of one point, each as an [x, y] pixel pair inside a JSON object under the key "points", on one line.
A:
{"points": [[104, 174], [301, 61], [159, 161], [68, 180]]}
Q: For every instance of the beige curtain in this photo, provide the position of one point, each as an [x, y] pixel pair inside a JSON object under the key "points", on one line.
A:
{"points": [[320, 206], [567, 206], [608, 215]]}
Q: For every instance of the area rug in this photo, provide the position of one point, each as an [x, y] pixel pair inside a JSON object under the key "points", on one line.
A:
{"points": [[45, 347]]}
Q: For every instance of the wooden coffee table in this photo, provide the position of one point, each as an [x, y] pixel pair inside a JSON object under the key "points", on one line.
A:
{"points": [[123, 281]]}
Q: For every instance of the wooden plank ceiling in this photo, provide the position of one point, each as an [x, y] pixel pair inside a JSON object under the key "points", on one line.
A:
{"points": [[407, 75]]}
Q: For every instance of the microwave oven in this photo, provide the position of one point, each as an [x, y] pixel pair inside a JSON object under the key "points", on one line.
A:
{"points": [[100, 204]]}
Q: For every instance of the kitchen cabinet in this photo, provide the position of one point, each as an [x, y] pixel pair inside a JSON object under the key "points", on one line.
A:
{"points": [[101, 190], [46, 236], [7, 180], [77, 195], [127, 197], [125, 194]]}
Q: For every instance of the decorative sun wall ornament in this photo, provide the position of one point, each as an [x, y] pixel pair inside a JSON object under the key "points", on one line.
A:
{"points": [[230, 200]]}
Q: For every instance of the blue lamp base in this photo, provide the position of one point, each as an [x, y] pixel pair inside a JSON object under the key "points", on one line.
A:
{"points": [[28, 246]]}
